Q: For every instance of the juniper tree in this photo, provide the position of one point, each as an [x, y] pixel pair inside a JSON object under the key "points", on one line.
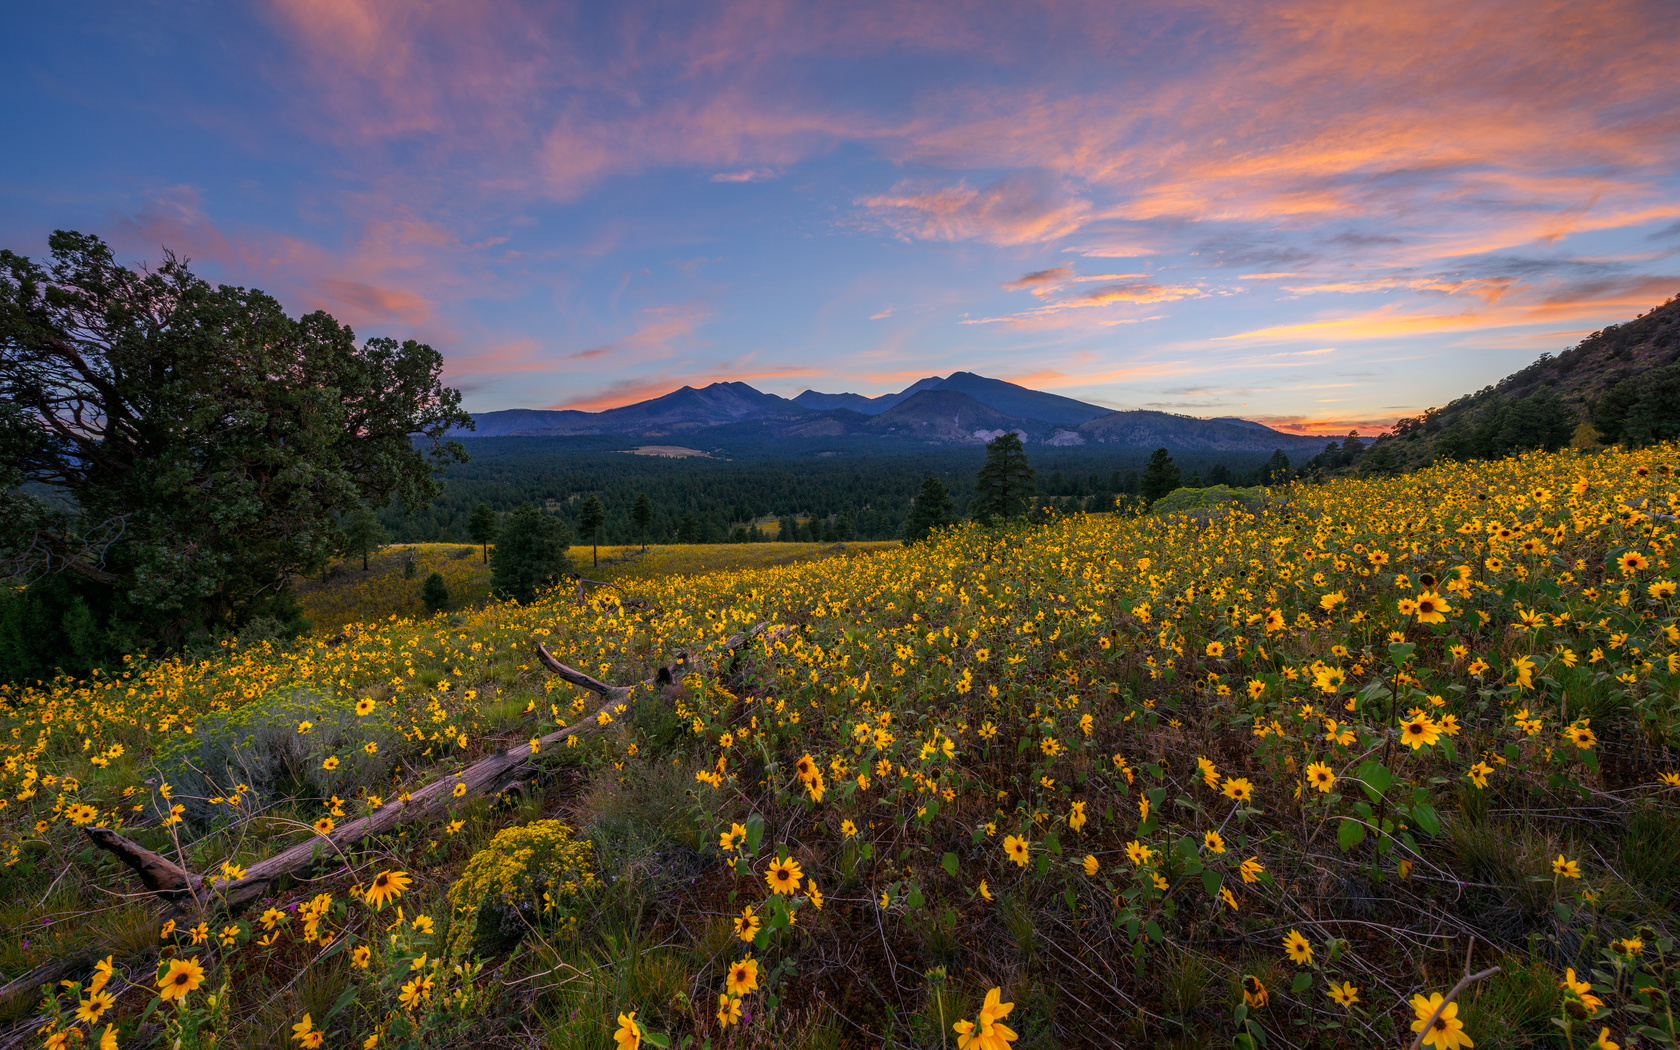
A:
{"points": [[531, 555], [203, 444]]}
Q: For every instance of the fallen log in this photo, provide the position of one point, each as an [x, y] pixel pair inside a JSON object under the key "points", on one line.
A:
{"points": [[489, 776]]}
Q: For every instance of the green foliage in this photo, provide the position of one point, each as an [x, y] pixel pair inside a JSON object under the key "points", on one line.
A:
{"points": [[524, 873], [1160, 477], [1642, 410], [1006, 484], [1181, 500], [363, 534], [642, 515], [259, 745], [435, 593], [932, 510], [482, 528], [1542, 420], [194, 485], [531, 554], [591, 516]]}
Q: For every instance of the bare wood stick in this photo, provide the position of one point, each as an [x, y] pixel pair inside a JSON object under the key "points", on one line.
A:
{"points": [[488, 776], [47, 973], [1464, 982]]}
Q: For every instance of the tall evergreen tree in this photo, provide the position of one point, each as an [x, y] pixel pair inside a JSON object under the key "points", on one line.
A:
{"points": [[532, 553], [591, 516], [363, 533], [642, 515], [1160, 477], [481, 527], [1006, 483], [932, 510]]}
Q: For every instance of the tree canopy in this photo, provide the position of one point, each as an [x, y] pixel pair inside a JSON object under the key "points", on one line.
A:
{"points": [[191, 448]]}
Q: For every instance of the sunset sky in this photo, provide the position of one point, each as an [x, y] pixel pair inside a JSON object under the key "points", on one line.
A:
{"points": [[1316, 215]]}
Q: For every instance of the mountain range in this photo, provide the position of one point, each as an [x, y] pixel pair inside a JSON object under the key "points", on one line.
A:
{"points": [[962, 408]]}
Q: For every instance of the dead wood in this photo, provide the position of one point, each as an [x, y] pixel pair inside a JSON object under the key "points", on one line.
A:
{"points": [[487, 777]]}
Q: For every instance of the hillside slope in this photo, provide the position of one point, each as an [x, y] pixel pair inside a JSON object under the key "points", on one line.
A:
{"points": [[1579, 377]]}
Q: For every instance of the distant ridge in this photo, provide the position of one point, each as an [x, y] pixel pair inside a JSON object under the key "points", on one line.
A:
{"points": [[959, 409]]}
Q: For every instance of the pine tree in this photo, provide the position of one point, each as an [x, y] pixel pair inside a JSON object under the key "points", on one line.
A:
{"points": [[435, 593], [482, 528], [1160, 477], [932, 510], [363, 534], [1005, 486], [1276, 470], [642, 515], [591, 516]]}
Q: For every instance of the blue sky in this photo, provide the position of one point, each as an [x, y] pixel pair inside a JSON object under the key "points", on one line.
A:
{"points": [[1319, 215]]}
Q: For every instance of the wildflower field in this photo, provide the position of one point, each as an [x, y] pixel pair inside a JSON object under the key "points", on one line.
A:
{"points": [[1275, 776], [351, 594]]}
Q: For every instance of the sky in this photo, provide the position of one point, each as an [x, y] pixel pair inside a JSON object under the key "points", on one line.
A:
{"points": [[1322, 216]]}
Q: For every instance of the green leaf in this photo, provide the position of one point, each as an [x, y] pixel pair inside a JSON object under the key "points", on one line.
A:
{"points": [[1350, 834], [1303, 981], [1400, 652], [1154, 932], [1210, 882], [1053, 844], [949, 863], [867, 850], [1067, 895], [1376, 779], [657, 1039], [755, 833], [1426, 820]]}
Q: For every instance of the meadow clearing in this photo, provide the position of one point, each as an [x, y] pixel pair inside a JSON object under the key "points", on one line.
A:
{"points": [[1275, 776]]}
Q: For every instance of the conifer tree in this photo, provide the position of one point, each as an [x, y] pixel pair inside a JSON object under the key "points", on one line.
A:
{"points": [[482, 527], [642, 515], [1006, 482], [363, 534], [932, 510], [1160, 477], [591, 516]]}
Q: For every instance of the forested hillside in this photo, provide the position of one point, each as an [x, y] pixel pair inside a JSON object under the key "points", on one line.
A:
{"points": [[1553, 401]]}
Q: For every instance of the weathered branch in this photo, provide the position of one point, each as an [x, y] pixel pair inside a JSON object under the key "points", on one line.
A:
{"points": [[487, 777]]}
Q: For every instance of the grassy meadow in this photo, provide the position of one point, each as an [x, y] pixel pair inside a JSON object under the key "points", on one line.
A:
{"points": [[1253, 775]]}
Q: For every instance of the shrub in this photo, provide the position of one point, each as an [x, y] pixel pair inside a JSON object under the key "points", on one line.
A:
{"points": [[1180, 500], [528, 869], [258, 744], [435, 593]]}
